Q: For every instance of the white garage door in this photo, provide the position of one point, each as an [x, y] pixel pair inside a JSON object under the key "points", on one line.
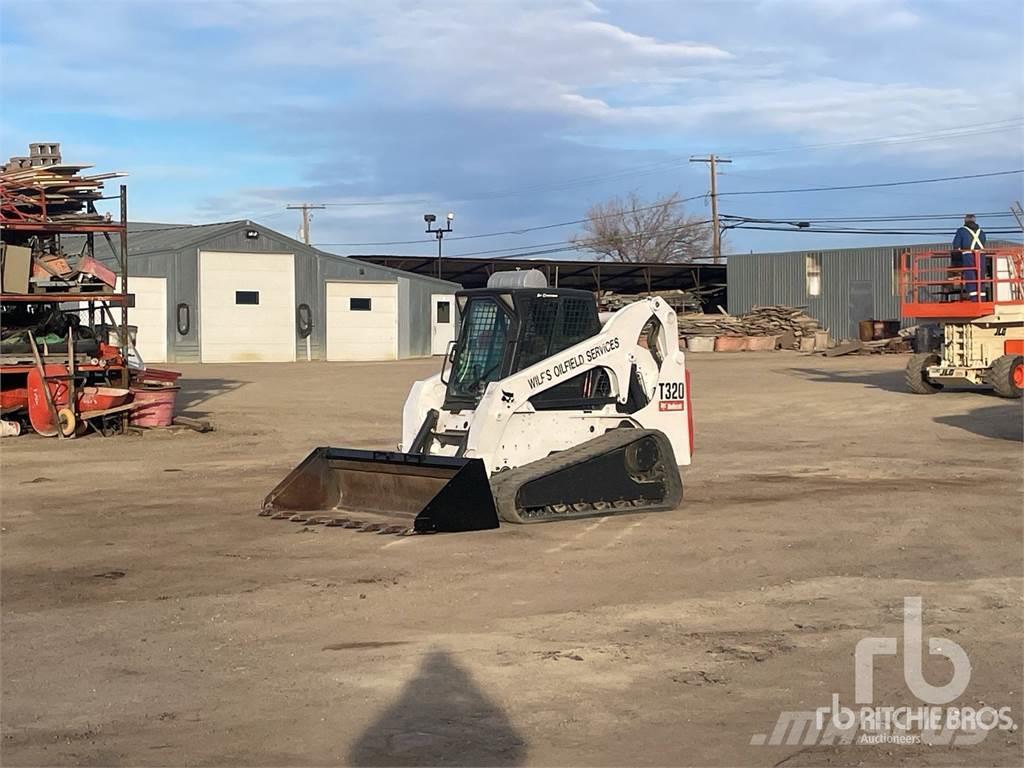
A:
{"points": [[246, 307], [150, 316], [362, 321]]}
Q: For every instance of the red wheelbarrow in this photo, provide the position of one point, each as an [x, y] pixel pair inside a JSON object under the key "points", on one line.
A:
{"points": [[90, 403]]}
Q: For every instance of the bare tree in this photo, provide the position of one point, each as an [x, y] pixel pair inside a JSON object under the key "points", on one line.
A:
{"points": [[628, 229]]}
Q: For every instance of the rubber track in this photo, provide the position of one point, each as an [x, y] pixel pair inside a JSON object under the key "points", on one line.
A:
{"points": [[505, 485]]}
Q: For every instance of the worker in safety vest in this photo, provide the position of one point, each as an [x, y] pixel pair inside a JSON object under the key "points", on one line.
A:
{"points": [[968, 254]]}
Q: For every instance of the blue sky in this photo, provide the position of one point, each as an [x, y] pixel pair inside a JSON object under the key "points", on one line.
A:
{"points": [[521, 114]]}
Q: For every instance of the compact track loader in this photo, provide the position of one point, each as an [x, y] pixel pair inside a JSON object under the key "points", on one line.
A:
{"points": [[540, 413]]}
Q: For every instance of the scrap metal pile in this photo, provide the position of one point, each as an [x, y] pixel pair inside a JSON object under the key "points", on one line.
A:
{"points": [[41, 265], [51, 193], [37, 199], [63, 376], [67, 365]]}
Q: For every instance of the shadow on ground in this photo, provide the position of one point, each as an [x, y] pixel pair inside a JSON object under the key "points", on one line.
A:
{"points": [[441, 717], [890, 381], [195, 393], [1001, 422]]}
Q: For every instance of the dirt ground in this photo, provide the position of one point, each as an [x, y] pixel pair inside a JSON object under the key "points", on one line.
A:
{"points": [[149, 617]]}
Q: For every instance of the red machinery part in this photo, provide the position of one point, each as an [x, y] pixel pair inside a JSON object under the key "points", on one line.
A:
{"points": [[14, 399], [89, 400], [689, 413], [39, 414], [934, 284]]}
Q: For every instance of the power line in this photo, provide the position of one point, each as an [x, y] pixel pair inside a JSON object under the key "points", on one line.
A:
{"points": [[543, 249], [935, 135], [564, 246], [571, 245], [584, 243], [695, 197], [860, 231], [975, 129], [906, 138], [523, 230], [876, 185], [736, 221], [893, 218], [569, 249], [360, 203]]}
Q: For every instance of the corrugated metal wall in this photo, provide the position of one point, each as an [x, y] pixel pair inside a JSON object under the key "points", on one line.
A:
{"points": [[312, 269], [853, 280]]}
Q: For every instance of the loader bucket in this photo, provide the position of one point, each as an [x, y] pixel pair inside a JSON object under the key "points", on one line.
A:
{"points": [[385, 491]]}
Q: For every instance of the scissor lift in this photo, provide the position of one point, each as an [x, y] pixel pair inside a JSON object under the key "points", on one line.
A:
{"points": [[978, 299]]}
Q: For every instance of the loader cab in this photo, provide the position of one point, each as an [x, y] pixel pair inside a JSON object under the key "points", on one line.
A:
{"points": [[505, 330]]}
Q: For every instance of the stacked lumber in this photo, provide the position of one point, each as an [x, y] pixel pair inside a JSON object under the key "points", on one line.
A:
{"points": [[710, 325], [782, 321], [52, 194], [895, 345], [789, 324]]}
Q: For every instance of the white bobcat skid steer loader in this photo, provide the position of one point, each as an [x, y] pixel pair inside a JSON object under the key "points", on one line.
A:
{"points": [[539, 413]]}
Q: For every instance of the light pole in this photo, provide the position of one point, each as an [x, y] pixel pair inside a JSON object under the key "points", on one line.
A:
{"points": [[437, 232]]}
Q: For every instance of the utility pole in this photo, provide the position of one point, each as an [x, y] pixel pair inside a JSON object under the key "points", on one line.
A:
{"points": [[716, 232], [305, 208]]}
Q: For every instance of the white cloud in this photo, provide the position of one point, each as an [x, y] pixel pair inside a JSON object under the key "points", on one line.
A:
{"points": [[856, 15], [221, 55], [732, 74]]}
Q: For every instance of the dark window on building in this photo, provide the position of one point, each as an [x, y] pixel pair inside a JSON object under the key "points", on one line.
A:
{"points": [[359, 305], [444, 312], [247, 297]]}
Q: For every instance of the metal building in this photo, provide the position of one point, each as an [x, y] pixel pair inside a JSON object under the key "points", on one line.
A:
{"points": [[240, 292], [839, 287]]}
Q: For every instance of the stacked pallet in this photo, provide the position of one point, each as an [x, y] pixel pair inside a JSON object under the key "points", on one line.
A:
{"points": [[788, 324], [52, 194], [681, 301]]}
